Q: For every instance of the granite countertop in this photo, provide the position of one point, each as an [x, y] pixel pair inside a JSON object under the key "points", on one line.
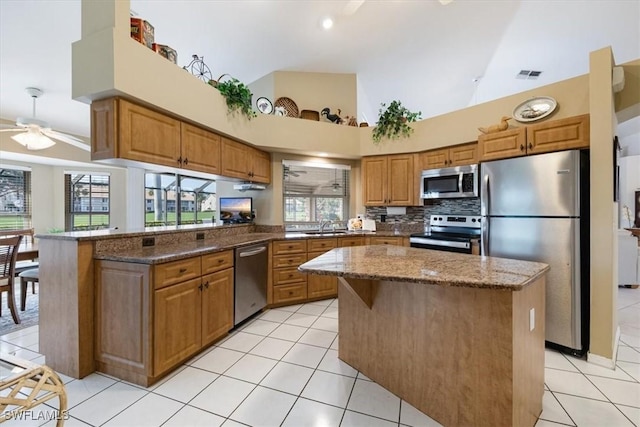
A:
{"points": [[404, 264], [180, 250]]}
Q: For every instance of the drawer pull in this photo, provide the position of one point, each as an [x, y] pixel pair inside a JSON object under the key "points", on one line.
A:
{"points": [[183, 270], [220, 261], [290, 292], [206, 284], [290, 275]]}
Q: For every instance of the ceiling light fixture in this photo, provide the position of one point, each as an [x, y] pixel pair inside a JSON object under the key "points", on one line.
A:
{"points": [[33, 140], [327, 23]]}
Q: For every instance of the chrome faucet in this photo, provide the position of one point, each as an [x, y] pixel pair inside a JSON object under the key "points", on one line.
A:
{"points": [[322, 224]]}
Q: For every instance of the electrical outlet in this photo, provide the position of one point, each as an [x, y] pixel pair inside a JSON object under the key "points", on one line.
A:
{"points": [[148, 241], [199, 236], [532, 319]]}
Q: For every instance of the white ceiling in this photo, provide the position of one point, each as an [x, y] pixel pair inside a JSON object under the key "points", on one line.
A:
{"points": [[419, 51]]}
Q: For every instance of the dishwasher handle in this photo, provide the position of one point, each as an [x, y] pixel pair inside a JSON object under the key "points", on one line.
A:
{"points": [[253, 252]]}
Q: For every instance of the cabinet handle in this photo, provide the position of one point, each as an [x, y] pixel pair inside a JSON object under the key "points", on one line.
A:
{"points": [[206, 284], [530, 146], [521, 147], [179, 160], [200, 287], [220, 261], [186, 160], [183, 270], [290, 275]]}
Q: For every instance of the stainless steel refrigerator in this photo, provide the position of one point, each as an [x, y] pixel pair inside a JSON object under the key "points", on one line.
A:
{"points": [[536, 208]]}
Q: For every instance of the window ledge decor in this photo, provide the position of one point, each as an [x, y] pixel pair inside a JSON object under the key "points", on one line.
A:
{"points": [[237, 94], [393, 122]]}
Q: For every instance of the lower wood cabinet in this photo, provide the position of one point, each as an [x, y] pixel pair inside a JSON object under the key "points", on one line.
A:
{"points": [[151, 318]]}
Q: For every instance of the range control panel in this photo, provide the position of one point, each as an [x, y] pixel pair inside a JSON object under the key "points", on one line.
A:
{"points": [[469, 221]]}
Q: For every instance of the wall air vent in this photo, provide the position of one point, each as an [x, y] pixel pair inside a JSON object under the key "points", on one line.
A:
{"points": [[528, 74]]}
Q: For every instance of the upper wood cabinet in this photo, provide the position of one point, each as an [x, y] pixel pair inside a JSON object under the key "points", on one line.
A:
{"points": [[464, 154], [245, 162], [122, 129], [200, 149], [389, 180], [556, 135]]}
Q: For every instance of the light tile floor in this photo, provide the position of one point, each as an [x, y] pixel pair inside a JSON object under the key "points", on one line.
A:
{"points": [[281, 369]]}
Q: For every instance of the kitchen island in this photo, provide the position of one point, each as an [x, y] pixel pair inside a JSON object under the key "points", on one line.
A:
{"points": [[460, 337]]}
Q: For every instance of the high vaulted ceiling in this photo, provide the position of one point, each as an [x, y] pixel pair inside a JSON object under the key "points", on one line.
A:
{"points": [[434, 57]]}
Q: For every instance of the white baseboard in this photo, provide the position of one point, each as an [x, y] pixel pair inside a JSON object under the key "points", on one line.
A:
{"points": [[603, 361]]}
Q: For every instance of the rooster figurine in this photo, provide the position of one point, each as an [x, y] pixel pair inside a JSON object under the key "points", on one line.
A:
{"points": [[503, 125], [335, 118]]}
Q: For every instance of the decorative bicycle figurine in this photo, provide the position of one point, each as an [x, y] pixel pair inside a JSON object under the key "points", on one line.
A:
{"points": [[198, 68]]}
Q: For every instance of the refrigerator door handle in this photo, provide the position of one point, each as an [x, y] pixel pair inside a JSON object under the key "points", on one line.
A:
{"points": [[485, 205]]}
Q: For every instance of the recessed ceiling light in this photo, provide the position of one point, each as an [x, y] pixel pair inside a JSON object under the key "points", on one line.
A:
{"points": [[327, 23]]}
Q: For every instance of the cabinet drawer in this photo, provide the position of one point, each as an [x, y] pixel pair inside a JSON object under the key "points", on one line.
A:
{"points": [[350, 241], [282, 247], [385, 240], [176, 271], [288, 293], [282, 276], [293, 260], [217, 261], [321, 244]]}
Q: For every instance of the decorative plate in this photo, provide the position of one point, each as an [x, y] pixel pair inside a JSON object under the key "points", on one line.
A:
{"points": [[289, 106], [264, 105], [534, 109]]}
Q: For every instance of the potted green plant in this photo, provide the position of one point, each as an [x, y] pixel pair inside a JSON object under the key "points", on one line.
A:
{"points": [[393, 122], [237, 94]]}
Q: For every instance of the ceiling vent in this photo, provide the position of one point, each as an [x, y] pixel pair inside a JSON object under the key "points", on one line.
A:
{"points": [[528, 74]]}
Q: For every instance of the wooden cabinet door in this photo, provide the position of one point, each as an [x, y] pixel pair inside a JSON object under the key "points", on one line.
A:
{"points": [[217, 305], [501, 145], [434, 159], [466, 154], [261, 167], [374, 180], [200, 149], [177, 325], [234, 159], [147, 136], [103, 129], [123, 319], [321, 286], [401, 179], [557, 135]]}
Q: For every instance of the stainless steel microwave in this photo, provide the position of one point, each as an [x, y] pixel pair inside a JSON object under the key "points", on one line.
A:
{"points": [[449, 183]]}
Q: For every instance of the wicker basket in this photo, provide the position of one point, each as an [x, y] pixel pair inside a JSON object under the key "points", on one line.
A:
{"points": [[310, 115], [289, 106]]}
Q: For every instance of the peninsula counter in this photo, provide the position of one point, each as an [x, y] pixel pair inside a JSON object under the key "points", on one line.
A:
{"points": [[460, 337]]}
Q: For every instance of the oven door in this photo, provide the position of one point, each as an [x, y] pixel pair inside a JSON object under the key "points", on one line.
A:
{"points": [[452, 244]]}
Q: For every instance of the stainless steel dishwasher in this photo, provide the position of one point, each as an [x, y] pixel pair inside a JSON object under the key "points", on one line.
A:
{"points": [[250, 281]]}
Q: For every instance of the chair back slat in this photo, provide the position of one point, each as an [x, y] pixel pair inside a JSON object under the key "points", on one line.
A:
{"points": [[8, 255]]}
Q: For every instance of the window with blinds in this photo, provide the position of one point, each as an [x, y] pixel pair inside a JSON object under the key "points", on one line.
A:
{"points": [[86, 201], [15, 199], [314, 192]]}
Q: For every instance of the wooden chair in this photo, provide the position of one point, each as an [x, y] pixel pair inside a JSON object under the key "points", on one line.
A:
{"points": [[28, 238], [8, 253]]}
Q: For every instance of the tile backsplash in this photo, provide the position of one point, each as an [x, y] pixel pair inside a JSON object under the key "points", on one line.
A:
{"points": [[417, 214]]}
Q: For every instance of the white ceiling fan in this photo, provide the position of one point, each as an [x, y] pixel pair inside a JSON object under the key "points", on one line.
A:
{"points": [[36, 134]]}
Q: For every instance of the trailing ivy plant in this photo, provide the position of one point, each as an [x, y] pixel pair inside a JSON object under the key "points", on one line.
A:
{"points": [[238, 96], [393, 122]]}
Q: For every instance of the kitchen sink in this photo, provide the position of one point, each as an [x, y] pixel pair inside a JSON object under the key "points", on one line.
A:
{"points": [[325, 233]]}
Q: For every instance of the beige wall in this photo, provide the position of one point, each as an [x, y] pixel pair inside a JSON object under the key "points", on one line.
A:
{"points": [[604, 216], [315, 91]]}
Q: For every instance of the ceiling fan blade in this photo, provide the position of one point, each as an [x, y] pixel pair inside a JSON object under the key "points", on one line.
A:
{"points": [[78, 143]]}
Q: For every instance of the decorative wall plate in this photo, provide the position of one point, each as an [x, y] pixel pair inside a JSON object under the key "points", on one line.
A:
{"points": [[264, 105], [534, 109]]}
